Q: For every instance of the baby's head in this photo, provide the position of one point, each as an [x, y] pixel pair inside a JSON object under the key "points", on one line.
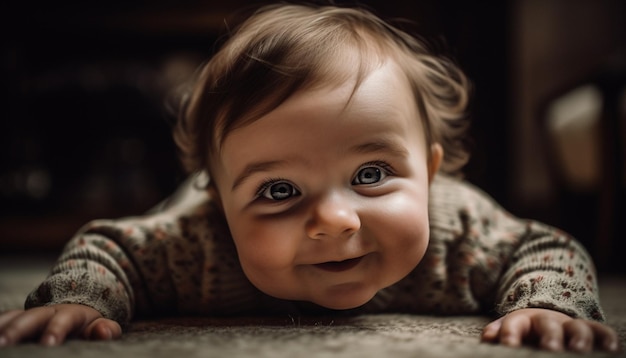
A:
{"points": [[321, 128]]}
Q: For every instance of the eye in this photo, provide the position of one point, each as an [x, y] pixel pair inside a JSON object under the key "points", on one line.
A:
{"points": [[370, 174], [278, 191]]}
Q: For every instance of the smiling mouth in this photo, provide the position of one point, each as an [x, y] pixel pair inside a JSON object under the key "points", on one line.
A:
{"points": [[339, 266]]}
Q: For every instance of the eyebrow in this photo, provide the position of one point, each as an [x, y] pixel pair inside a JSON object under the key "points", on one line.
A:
{"points": [[253, 168], [388, 146]]}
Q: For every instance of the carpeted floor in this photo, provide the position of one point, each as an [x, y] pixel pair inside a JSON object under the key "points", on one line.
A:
{"points": [[390, 335]]}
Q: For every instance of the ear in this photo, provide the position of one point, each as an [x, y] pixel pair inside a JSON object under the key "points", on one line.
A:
{"points": [[436, 156], [214, 194], [211, 189]]}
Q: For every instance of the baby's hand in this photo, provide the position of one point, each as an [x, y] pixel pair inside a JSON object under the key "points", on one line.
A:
{"points": [[52, 324], [550, 330]]}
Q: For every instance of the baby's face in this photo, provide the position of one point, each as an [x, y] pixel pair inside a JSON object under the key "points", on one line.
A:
{"points": [[328, 203]]}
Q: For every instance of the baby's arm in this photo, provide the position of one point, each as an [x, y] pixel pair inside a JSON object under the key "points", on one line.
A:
{"points": [[549, 296], [92, 291], [542, 281], [109, 270]]}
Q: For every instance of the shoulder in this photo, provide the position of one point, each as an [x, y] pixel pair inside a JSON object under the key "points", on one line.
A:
{"points": [[456, 204], [189, 211], [449, 190]]}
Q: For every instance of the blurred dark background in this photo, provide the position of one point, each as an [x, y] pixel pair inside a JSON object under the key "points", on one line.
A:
{"points": [[85, 133]]}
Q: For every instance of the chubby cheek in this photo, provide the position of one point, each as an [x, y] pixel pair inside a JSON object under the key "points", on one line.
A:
{"points": [[401, 229], [265, 247]]}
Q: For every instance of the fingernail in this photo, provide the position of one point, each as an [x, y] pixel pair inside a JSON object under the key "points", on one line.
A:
{"points": [[108, 335], [49, 340], [553, 345], [612, 346], [578, 345]]}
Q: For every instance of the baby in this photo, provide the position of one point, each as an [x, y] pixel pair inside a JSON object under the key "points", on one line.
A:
{"points": [[323, 142]]}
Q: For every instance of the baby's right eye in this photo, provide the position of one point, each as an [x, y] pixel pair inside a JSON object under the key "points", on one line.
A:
{"points": [[278, 191]]}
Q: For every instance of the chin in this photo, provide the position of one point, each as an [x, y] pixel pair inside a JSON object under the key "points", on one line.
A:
{"points": [[345, 298]]}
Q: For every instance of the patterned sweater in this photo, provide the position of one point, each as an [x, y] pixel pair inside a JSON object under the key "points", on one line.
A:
{"points": [[180, 259]]}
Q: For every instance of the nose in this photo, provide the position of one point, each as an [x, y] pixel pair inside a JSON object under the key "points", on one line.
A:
{"points": [[333, 216]]}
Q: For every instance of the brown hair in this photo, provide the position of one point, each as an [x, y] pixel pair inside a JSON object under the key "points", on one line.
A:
{"points": [[281, 49]]}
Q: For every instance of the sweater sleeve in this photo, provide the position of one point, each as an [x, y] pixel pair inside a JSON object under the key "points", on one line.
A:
{"points": [[121, 267], [549, 269], [118, 267], [481, 258], [97, 269]]}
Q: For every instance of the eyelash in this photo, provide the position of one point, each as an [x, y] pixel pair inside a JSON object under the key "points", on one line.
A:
{"points": [[380, 163], [271, 181]]}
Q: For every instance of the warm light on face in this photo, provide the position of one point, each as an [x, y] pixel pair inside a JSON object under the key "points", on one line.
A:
{"points": [[327, 200]]}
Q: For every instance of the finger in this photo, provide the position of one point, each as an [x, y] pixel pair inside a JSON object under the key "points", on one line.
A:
{"points": [[550, 333], [514, 329], [490, 332], [25, 325], [64, 322], [579, 335], [102, 329], [5, 318], [8, 316], [605, 336]]}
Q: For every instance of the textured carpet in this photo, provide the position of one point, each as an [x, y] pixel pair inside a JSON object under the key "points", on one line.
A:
{"points": [[391, 335]]}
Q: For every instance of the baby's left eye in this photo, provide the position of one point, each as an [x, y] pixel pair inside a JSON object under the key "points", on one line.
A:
{"points": [[369, 175]]}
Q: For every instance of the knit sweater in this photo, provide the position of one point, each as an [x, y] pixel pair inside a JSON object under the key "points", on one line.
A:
{"points": [[180, 259]]}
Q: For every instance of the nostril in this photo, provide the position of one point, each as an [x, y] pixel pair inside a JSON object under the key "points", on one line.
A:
{"points": [[317, 230], [333, 216]]}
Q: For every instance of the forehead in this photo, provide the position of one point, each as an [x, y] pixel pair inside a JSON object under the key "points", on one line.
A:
{"points": [[382, 103], [347, 69]]}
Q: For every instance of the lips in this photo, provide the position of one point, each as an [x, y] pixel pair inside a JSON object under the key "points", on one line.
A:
{"points": [[339, 266]]}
